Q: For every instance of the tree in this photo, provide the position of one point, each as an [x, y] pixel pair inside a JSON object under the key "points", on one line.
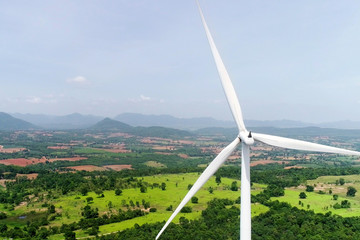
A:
{"points": [[194, 200], [342, 181], [3, 215], [84, 191], [351, 192], [69, 235], [345, 204], [143, 189], [3, 228], [89, 212], [335, 197], [163, 186], [93, 230], [186, 210], [309, 188], [51, 209], [234, 186], [118, 192], [302, 195], [218, 179], [89, 199], [211, 190]]}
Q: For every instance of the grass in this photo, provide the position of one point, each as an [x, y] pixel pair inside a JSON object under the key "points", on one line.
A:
{"points": [[176, 188], [322, 203]]}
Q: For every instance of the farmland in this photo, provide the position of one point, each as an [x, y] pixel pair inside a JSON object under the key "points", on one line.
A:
{"points": [[92, 183]]}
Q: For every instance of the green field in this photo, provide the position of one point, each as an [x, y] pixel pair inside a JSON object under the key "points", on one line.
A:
{"points": [[322, 203], [176, 188]]}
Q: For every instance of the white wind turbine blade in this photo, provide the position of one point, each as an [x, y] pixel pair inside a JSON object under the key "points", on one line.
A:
{"points": [[225, 79], [204, 177], [300, 145]]}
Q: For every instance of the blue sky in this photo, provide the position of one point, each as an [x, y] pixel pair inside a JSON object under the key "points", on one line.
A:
{"points": [[294, 60]]}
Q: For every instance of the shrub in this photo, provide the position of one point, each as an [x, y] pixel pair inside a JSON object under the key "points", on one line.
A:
{"points": [[194, 200], [186, 210], [351, 192], [309, 188], [302, 195]]}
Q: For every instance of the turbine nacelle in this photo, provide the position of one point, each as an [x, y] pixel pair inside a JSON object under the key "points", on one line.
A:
{"points": [[246, 137]]}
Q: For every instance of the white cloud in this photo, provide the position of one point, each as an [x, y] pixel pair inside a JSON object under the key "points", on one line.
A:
{"points": [[35, 100], [78, 80], [144, 98]]}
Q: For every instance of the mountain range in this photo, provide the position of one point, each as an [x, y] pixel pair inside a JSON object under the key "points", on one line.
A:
{"points": [[9, 123], [18, 121]]}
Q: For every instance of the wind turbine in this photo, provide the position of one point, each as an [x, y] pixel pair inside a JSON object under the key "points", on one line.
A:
{"points": [[246, 139]]}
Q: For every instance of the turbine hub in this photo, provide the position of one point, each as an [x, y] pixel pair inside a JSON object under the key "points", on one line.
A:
{"points": [[246, 137]]}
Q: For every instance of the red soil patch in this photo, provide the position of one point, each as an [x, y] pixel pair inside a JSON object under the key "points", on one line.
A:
{"points": [[234, 157], [266, 162], [182, 155], [29, 176], [88, 168], [118, 167], [23, 162]]}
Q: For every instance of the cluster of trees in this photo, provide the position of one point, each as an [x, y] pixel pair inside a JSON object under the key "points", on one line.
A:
{"points": [[221, 222], [90, 222]]}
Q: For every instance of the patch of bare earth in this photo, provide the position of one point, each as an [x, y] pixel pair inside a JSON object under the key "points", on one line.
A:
{"points": [[23, 162], [290, 167], [58, 147], [30, 176], [3, 181], [255, 163], [72, 159], [10, 150], [118, 167], [88, 168]]}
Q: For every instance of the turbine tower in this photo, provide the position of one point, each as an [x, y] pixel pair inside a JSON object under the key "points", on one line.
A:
{"points": [[246, 139]]}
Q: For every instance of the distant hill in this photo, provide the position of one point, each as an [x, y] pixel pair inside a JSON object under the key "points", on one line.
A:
{"points": [[108, 124], [136, 119], [231, 133], [71, 121], [79, 121], [9, 123], [277, 123]]}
